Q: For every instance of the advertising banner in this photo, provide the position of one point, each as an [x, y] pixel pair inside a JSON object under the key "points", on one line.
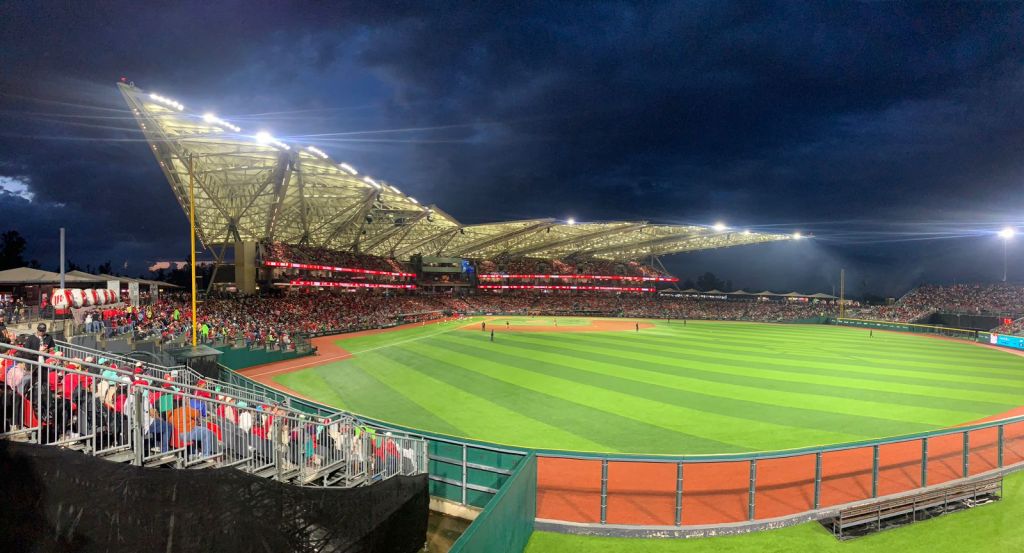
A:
{"points": [[1015, 342]]}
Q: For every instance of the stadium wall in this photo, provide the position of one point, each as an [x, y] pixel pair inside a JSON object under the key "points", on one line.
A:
{"points": [[241, 358], [506, 524], [62, 500]]}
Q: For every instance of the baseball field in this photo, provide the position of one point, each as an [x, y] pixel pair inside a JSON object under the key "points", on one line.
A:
{"points": [[615, 385]]}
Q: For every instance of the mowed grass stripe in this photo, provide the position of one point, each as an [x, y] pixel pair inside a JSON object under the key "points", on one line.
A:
{"points": [[932, 394], [472, 414], [949, 370], [860, 371], [757, 405], [650, 368], [617, 431], [361, 392], [308, 381], [667, 411], [885, 346]]}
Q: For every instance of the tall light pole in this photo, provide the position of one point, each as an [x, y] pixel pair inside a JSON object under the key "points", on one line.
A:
{"points": [[1006, 234], [192, 239]]}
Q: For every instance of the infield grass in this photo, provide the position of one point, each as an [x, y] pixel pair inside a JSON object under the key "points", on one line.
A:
{"points": [[706, 387]]}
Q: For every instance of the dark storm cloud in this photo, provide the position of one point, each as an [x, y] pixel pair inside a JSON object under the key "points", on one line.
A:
{"points": [[762, 114]]}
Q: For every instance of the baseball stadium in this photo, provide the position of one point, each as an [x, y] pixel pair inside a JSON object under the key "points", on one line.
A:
{"points": [[360, 371]]}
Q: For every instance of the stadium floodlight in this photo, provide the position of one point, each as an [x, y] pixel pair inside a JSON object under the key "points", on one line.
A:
{"points": [[371, 182], [317, 151], [413, 200], [348, 168], [797, 235], [720, 226], [571, 221], [1006, 234], [263, 137], [166, 101], [214, 120], [746, 231]]}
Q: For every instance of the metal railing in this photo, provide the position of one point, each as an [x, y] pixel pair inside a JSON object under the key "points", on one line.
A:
{"points": [[150, 420], [461, 470], [728, 488]]}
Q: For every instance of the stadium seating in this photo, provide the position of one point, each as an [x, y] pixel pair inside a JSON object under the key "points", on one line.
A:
{"points": [[125, 410]]}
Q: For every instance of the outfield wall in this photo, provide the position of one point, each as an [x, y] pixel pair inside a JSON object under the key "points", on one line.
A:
{"points": [[592, 491]]}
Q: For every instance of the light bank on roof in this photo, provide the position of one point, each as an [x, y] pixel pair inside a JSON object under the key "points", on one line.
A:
{"points": [[250, 186]]}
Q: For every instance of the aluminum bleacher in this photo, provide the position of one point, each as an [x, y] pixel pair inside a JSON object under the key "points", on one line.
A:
{"points": [[125, 410]]}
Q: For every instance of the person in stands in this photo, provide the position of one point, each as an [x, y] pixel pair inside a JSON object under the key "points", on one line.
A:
{"points": [[44, 337]]}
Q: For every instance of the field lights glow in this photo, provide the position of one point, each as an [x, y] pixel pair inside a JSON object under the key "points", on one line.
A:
{"points": [[214, 120], [348, 168], [331, 284], [166, 101], [720, 227], [563, 287], [500, 276], [317, 151], [334, 269], [263, 137], [1007, 233]]}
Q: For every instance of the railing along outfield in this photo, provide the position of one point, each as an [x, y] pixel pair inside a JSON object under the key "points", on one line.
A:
{"points": [[461, 470], [157, 421]]}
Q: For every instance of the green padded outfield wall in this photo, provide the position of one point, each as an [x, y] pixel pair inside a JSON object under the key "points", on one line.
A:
{"points": [[242, 358], [506, 524]]}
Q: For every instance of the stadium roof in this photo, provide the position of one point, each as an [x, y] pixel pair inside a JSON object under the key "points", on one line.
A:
{"points": [[250, 186]]}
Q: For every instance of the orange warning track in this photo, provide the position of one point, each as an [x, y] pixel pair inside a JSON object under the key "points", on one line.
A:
{"points": [[327, 351], [643, 493]]}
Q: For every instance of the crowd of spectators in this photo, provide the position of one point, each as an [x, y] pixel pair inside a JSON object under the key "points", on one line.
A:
{"points": [[530, 266], [294, 253], [1001, 299], [13, 309], [273, 321], [70, 398]]}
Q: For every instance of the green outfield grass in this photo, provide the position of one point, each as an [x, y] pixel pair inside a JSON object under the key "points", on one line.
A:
{"points": [[707, 387], [994, 527]]}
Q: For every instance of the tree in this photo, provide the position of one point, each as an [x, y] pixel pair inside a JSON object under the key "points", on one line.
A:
{"points": [[34, 264], [12, 250], [105, 268], [708, 281], [72, 266], [688, 284]]}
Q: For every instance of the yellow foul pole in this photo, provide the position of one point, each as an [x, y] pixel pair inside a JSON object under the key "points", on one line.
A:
{"points": [[192, 237], [842, 293]]}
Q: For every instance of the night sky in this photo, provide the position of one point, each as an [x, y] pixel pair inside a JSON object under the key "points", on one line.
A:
{"points": [[893, 133]]}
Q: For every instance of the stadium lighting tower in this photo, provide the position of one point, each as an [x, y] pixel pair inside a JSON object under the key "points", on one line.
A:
{"points": [[571, 221], [797, 235], [1006, 234]]}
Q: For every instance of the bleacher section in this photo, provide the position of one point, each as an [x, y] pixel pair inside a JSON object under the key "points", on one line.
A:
{"points": [[128, 411]]}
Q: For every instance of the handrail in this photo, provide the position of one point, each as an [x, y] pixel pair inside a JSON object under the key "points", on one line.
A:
{"points": [[158, 384]]}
